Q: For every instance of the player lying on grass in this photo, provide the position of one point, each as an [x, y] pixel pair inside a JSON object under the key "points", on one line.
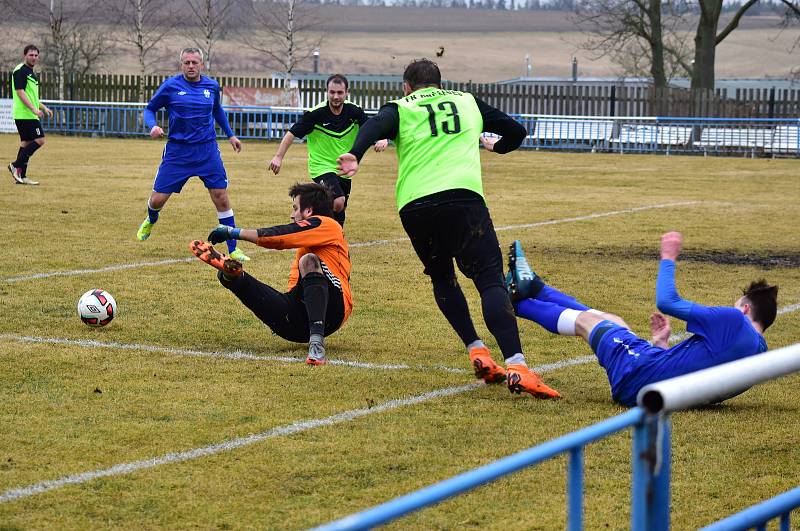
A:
{"points": [[319, 300], [721, 333]]}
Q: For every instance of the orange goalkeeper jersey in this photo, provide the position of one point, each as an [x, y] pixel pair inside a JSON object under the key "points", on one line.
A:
{"points": [[322, 236]]}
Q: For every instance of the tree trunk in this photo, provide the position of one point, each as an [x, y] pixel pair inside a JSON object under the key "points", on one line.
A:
{"points": [[657, 45], [705, 43]]}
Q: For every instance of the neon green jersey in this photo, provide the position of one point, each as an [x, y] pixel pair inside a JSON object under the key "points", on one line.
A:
{"points": [[437, 144], [23, 77], [328, 135]]}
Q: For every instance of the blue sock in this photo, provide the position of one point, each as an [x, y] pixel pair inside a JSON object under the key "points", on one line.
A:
{"points": [[550, 294], [543, 313], [226, 218], [152, 213]]}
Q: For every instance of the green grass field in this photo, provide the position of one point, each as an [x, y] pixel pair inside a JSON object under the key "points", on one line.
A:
{"points": [[185, 366]]}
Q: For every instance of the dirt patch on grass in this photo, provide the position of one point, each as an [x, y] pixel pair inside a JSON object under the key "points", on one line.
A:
{"points": [[722, 257]]}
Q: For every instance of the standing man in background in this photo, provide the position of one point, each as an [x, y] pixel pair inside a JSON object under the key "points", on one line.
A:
{"points": [[193, 103], [331, 128], [27, 112], [442, 208]]}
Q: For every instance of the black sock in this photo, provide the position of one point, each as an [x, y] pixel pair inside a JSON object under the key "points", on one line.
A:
{"points": [[315, 297], [24, 154], [339, 216], [498, 314], [453, 305]]}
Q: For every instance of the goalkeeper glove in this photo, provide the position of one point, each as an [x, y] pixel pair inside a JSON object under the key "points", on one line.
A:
{"points": [[222, 233]]}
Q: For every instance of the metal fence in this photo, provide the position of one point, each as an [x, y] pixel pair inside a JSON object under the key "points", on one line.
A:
{"points": [[651, 454], [664, 135]]}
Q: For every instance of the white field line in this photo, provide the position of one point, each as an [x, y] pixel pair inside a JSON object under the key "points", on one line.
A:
{"points": [[352, 245], [289, 429], [234, 355]]}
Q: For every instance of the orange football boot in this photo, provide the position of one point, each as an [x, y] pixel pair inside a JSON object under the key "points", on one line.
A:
{"points": [[520, 378], [485, 367]]}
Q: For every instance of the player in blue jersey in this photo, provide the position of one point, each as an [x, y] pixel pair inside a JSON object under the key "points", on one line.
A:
{"points": [[193, 103], [721, 333]]}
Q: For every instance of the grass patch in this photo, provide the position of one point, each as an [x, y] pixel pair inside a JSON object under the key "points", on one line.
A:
{"points": [[88, 404]]}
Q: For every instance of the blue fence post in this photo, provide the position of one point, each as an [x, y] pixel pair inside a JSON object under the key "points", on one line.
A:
{"points": [[575, 490], [651, 474]]}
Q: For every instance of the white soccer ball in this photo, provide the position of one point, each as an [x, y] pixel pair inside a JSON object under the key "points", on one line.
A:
{"points": [[97, 308]]}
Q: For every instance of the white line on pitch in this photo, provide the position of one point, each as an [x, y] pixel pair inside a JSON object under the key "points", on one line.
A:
{"points": [[289, 429], [234, 355], [353, 245]]}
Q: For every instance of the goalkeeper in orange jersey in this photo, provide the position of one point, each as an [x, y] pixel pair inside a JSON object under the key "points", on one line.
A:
{"points": [[318, 300]]}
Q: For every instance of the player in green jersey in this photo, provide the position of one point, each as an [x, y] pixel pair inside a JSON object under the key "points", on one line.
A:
{"points": [[441, 204], [27, 111], [330, 129]]}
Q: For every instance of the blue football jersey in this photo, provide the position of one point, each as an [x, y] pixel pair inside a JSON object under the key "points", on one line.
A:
{"points": [[193, 107]]}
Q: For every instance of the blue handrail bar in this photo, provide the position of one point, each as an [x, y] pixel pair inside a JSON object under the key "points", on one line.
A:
{"points": [[644, 448], [758, 515]]}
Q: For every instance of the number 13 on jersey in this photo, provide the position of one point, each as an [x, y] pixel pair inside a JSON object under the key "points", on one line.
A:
{"points": [[444, 116]]}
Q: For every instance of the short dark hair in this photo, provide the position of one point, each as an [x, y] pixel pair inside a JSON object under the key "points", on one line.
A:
{"points": [[763, 300], [337, 78], [318, 197], [422, 73], [29, 48]]}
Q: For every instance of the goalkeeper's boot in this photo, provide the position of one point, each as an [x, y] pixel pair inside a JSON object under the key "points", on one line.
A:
{"points": [[522, 379], [206, 252], [485, 367], [25, 180], [239, 255], [16, 173], [521, 281], [316, 353], [144, 230]]}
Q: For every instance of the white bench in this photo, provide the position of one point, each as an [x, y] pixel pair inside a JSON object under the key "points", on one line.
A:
{"points": [[670, 135], [786, 140], [724, 137], [575, 131]]}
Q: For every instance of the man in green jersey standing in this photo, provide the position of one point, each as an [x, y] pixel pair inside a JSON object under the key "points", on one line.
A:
{"points": [[330, 128], [441, 204], [27, 111]]}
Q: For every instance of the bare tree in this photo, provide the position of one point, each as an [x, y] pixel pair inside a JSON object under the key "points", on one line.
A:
{"points": [[282, 30], [706, 39], [212, 19], [640, 36], [75, 43], [791, 17], [145, 23]]}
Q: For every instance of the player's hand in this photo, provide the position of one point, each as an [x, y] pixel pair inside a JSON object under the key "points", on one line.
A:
{"points": [[488, 142], [347, 164], [660, 329], [671, 244], [156, 132], [236, 143], [380, 145], [275, 164], [221, 233], [48, 111], [39, 113]]}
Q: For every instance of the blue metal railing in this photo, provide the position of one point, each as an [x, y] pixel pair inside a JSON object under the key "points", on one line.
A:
{"points": [[706, 136], [650, 483], [758, 515]]}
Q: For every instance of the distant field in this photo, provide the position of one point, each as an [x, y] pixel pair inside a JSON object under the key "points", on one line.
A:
{"points": [[185, 366], [480, 45]]}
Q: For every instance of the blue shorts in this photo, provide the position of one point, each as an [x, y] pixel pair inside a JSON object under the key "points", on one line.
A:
{"points": [[619, 352], [182, 161]]}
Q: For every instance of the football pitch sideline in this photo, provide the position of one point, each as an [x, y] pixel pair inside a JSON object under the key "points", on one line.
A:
{"points": [[186, 411]]}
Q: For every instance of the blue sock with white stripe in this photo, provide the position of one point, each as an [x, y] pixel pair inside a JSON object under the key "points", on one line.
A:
{"points": [[152, 213], [226, 218]]}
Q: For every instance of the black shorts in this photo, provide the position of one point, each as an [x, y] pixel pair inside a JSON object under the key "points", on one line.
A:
{"points": [[29, 129], [285, 313], [341, 187], [462, 231]]}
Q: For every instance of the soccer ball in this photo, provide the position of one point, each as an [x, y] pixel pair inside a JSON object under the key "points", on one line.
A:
{"points": [[97, 308]]}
